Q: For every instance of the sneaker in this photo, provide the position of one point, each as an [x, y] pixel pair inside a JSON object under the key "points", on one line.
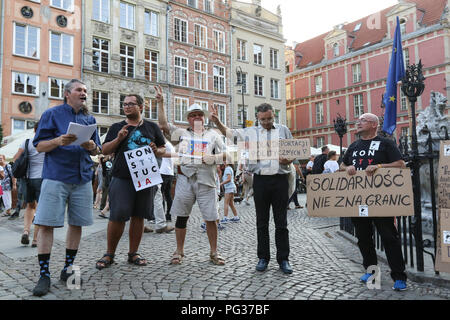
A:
{"points": [[203, 226], [399, 285], [235, 219], [42, 287], [220, 226], [365, 277], [224, 220]]}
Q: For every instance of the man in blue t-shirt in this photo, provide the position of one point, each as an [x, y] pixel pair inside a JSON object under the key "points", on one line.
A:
{"points": [[67, 177]]}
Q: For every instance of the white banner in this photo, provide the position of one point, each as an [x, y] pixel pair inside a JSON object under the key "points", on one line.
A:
{"points": [[143, 168]]}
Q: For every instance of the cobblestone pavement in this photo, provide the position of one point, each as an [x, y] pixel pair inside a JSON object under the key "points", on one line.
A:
{"points": [[326, 266]]}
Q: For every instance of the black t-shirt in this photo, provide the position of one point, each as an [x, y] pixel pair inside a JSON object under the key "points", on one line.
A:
{"points": [[144, 134], [319, 162], [363, 153]]}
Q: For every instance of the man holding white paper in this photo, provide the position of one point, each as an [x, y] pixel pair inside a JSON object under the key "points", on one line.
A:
{"points": [[67, 177], [130, 139]]}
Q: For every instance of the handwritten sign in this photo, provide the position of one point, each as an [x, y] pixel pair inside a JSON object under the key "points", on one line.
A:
{"points": [[388, 193], [444, 175], [143, 168], [275, 149], [444, 234]]}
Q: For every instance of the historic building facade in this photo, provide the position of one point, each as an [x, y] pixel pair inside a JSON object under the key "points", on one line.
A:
{"points": [[344, 72], [257, 46], [40, 49], [199, 57], [124, 51]]}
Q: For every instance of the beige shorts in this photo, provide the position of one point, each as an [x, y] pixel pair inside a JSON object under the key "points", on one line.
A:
{"points": [[187, 191]]}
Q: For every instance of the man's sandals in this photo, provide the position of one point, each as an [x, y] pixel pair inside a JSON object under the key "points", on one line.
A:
{"points": [[138, 261], [103, 263], [217, 259]]}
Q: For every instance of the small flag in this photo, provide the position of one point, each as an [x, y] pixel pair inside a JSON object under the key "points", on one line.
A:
{"points": [[395, 74]]}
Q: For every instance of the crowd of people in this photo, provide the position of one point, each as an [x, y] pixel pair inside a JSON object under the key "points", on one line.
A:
{"points": [[62, 178]]}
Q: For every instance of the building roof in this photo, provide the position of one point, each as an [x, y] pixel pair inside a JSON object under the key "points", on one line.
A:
{"points": [[312, 51]]}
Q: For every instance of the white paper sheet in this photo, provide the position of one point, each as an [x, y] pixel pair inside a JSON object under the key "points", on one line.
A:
{"points": [[83, 132]]}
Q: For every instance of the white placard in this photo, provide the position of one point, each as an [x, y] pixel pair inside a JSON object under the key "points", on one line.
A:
{"points": [[446, 150], [143, 167], [363, 210], [83, 132], [446, 237]]}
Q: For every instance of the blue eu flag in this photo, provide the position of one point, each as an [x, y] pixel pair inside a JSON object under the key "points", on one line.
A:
{"points": [[396, 73]]}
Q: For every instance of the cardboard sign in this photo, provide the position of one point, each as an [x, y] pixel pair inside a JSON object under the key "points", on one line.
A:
{"points": [[444, 175], [444, 234], [143, 168], [388, 193], [275, 149]]}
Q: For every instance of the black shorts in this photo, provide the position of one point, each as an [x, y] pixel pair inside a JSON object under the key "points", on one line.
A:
{"points": [[125, 202], [32, 190]]}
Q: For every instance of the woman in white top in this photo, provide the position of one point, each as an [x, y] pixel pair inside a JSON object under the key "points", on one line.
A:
{"points": [[230, 189], [331, 165]]}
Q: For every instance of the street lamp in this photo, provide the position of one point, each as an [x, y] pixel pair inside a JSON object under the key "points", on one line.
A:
{"points": [[413, 86], [240, 82], [340, 126]]}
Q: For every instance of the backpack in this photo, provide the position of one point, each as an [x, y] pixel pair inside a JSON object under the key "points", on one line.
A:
{"points": [[20, 166]]}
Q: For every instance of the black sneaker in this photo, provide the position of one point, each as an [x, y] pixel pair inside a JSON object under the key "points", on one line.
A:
{"points": [[15, 215], [42, 287]]}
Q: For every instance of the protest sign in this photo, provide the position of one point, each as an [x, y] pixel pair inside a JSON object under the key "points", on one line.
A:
{"points": [[444, 175], [143, 167], [295, 149], [275, 149], [388, 193], [444, 222]]}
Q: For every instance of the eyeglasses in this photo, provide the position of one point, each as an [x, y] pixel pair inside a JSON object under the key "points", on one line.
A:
{"points": [[131, 104], [268, 120], [362, 121]]}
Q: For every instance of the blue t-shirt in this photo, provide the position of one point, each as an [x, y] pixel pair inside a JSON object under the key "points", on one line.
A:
{"points": [[230, 185], [68, 164]]}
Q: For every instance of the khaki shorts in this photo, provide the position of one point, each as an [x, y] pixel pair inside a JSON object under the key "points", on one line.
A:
{"points": [[187, 191]]}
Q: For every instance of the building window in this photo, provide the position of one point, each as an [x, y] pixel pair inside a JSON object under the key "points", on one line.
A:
{"points": [[406, 57], [403, 26], [241, 50], [318, 83], [21, 125], [100, 10], [201, 75], [61, 48], [319, 112], [151, 65], [288, 118], [24, 83], [358, 105], [219, 79], [26, 40], [56, 88], [127, 61], [151, 19], [356, 71], [126, 15], [180, 30], [181, 105], [100, 55], [221, 110], [288, 91], [63, 4], [259, 85], [100, 102], [204, 105], [181, 71], [219, 41], [240, 119], [208, 6], [274, 89], [277, 116], [242, 78], [257, 54], [320, 142], [273, 58], [336, 50], [122, 98], [200, 35], [405, 132], [403, 102], [192, 3], [150, 109]]}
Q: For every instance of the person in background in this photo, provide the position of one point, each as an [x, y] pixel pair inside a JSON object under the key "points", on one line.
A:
{"points": [[331, 165], [320, 160], [31, 186], [8, 185], [298, 176], [230, 189]]}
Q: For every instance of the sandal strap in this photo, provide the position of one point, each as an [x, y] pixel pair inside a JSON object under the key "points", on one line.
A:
{"points": [[111, 255], [131, 255]]}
